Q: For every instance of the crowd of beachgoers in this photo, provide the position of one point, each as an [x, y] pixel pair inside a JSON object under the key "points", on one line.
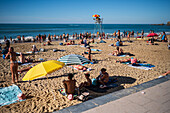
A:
{"points": [[102, 50]]}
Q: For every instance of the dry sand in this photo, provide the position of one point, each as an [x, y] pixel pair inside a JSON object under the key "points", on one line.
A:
{"points": [[38, 92]]}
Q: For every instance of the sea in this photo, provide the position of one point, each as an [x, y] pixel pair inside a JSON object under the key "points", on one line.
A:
{"points": [[31, 30]]}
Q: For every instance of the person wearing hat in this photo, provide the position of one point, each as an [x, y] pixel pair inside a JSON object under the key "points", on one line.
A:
{"points": [[86, 83]]}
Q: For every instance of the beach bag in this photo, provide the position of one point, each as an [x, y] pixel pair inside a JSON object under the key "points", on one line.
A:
{"points": [[70, 97], [61, 43], [94, 82]]}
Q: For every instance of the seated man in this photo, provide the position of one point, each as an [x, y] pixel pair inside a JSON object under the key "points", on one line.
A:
{"points": [[70, 84], [87, 83], [118, 51], [103, 78]]}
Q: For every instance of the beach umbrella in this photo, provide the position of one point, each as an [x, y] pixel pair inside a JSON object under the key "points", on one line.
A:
{"points": [[152, 34], [96, 15], [43, 69], [73, 59]]}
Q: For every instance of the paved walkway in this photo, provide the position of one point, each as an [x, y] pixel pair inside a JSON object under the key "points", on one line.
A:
{"points": [[155, 99]]}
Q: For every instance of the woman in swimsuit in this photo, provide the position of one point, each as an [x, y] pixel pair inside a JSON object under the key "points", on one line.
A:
{"points": [[13, 64]]}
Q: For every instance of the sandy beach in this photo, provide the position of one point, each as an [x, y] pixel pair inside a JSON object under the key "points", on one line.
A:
{"points": [[39, 92]]}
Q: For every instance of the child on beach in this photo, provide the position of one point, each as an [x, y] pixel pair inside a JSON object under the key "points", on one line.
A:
{"points": [[103, 78], [70, 84], [13, 64], [87, 83]]}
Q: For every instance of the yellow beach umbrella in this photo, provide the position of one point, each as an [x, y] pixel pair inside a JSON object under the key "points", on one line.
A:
{"points": [[43, 69]]}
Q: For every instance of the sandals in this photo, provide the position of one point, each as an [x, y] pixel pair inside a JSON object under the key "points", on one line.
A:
{"points": [[83, 96]]}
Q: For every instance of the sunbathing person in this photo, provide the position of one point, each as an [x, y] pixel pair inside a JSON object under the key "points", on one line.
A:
{"points": [[70, 84], [13, 64], [24, 69], [166, 73], [118, 51], [103, 78], [130, 60], [87, 83]]}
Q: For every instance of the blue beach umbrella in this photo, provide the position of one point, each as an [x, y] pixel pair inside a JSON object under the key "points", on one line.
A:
{"points": [[74, 59]]}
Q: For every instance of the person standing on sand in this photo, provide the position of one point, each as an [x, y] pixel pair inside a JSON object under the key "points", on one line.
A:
{"points": [[118, 34], [142, 34], [13, 64]]}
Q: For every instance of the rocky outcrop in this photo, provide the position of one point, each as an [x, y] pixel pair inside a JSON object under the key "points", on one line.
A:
{"points": [[168, 23]]}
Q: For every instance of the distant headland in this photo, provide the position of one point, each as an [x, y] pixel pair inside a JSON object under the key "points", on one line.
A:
{"points": [[168, 24]]}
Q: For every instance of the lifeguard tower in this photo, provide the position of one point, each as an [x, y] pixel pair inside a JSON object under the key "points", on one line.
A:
{"points": [[98, 24]]}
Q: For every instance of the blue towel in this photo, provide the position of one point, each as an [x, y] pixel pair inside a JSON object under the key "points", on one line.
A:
{"points": [[102, 41], [8, 95], [96, 50], [146, 65]]}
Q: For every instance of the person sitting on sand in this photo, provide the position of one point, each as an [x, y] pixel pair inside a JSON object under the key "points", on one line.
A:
{"points": [[103, 78], [70, 84], [13, 64], [81, 42], [92, 40], [118, 51], [86, 83], [151, 41], [34, 49], [87, 54], [23, 59], [118, 43]]}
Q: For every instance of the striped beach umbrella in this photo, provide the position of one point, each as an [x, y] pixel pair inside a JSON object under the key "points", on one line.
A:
{"points": [[73, 59]]}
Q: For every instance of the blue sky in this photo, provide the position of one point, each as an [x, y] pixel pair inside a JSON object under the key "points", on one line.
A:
{"points": [[81, 11]]}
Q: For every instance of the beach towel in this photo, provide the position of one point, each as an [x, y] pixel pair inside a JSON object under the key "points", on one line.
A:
{"points": [[96, 50], [24, 64], [140, 67], [8, 95], [30, 52], [102, 41], [119, 55], [97, 89]]}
